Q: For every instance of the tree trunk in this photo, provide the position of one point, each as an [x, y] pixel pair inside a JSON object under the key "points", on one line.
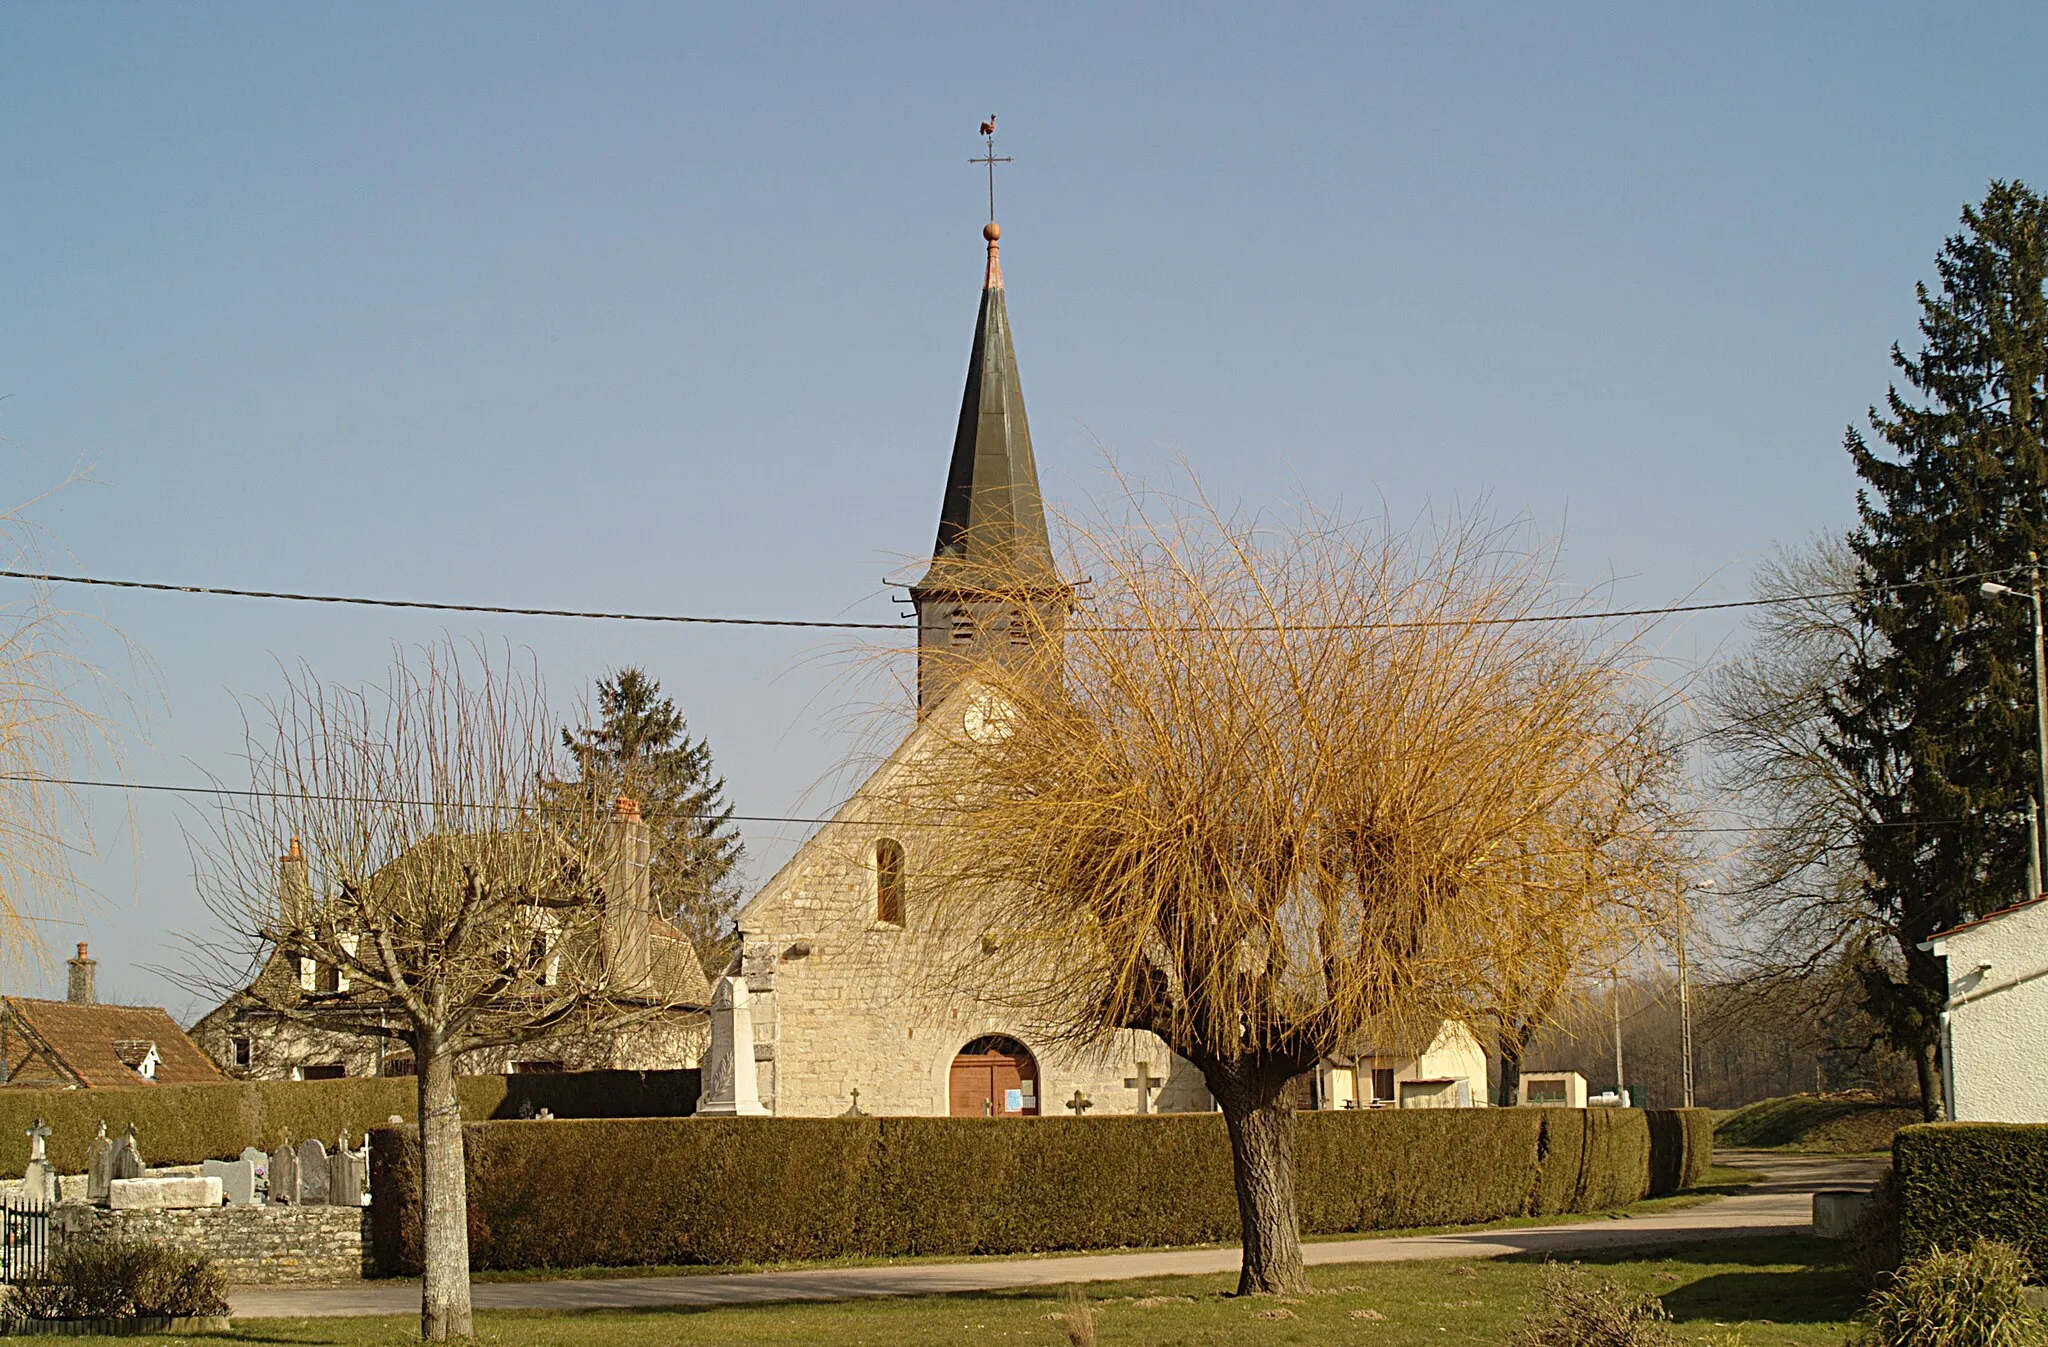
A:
{"points": [[444, 1199], [1511, 1045], [1260, 1117], [1927, 1065]]}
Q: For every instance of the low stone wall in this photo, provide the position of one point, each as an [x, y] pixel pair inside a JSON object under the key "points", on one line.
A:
{"points": [[252, 1245]]}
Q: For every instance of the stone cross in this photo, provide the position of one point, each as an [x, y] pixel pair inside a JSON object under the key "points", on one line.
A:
{"points": [[313, 1172], [128, 1156], [1079, 1104], [1144, 1083], [99, 1166], [38, 1179]]}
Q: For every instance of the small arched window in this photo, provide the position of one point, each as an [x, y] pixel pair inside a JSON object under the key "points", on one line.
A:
{"points": [[889, 881]]}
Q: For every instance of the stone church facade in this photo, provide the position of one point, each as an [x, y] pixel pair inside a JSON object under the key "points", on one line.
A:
{"points": [[829, 1006]]}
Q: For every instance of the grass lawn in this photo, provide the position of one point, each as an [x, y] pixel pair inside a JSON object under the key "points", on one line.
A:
{"points": [[1788, 1290]]}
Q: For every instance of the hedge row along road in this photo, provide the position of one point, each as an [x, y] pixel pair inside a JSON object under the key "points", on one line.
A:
{"points": [[1782, 1205], [184, 1124], [717, 1191]]}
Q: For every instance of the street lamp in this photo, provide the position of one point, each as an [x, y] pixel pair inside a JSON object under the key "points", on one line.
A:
{"points": [[2037, 858]]}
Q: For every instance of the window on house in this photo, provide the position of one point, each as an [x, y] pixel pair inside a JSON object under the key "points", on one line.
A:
{"points": [[1020, 636], [323, 1071], [963, 627], [242, 1052], [546, 1068], [400, 1064], [889, 881], [327, 979], [1382, 1084]]}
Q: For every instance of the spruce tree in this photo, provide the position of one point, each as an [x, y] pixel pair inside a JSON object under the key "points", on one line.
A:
{"points": [[1935, 721], [641, 747]]}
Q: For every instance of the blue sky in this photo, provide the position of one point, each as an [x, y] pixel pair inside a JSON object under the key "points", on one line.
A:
{"points": [[666, 307]]}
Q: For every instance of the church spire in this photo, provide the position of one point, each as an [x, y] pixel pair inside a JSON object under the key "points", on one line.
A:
{"points": [[991, 519], [993, 552]]}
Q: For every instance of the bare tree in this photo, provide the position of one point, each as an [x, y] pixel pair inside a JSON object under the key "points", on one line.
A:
{"points": [[58, 710], [1273, 787], [437, 892]]}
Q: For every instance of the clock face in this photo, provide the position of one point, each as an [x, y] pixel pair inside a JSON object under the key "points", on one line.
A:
{"points": [[988, 719]]}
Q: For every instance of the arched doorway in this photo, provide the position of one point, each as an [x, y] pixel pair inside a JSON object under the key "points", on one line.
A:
{"points": [[993, 1077]]}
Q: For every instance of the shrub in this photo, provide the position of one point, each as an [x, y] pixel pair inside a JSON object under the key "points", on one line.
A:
{"points": [[741, 1190], [1576, 1309], [1959, 1182], [1957, 1299], [120, 1279], [1874, 1239]]}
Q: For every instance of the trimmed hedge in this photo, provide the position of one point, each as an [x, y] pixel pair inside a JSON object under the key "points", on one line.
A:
{"points": [[734, 1190], [1961, 1182], [183, 1124]]}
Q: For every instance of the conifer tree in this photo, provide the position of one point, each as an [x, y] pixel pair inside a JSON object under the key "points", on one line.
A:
{"points": [[1936, 719], [641, 747]]}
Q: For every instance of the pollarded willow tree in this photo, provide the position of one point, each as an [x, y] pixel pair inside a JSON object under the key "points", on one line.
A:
{"points": [[440, 892], [1270, 789]]}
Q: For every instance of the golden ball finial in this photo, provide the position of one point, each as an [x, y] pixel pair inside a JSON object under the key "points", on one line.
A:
{"points": [[991, 231]]}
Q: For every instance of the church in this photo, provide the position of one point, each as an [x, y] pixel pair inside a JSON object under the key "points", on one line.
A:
{"points": [[826, 1009]]}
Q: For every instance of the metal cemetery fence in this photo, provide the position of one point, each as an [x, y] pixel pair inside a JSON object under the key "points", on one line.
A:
{"points": [[24, 1238]]}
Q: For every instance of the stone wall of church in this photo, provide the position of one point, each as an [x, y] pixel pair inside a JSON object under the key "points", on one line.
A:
{"points": [[269, 1047], [845, 1002]]}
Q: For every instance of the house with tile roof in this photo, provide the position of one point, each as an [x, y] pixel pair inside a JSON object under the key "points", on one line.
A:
{"points": [[80, 1043]]}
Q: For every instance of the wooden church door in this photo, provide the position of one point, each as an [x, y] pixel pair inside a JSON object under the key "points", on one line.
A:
{"points": [[993, 1078]]}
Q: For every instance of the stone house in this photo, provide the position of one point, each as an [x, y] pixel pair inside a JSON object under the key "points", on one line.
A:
{"points": [[79, 1043], [251, 1039], [840, 1011], [1997, 1015]]}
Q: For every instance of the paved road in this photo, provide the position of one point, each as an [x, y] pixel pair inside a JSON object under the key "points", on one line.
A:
{"points": [[1781, 1205]]}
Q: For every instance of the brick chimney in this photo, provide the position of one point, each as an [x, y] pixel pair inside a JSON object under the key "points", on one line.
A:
{"points": [[628, 899], [82, 993]]}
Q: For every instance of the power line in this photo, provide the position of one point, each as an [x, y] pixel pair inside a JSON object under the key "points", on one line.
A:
{"points": [[503, 610], [250, 793]]}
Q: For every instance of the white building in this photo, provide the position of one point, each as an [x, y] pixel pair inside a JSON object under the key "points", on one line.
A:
{"points": [[1444, 1067], [1996, 1022]]}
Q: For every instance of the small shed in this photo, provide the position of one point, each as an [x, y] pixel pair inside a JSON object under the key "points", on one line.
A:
{"points": [[1552, 1089]]}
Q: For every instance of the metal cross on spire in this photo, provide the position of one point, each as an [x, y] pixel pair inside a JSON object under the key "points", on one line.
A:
{"points": [[991, 158]]}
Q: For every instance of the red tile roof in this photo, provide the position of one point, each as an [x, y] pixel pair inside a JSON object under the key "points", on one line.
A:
{"points": [[1943, 935], [88, 1042]]}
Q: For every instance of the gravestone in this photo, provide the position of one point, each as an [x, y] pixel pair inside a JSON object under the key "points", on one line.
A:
{"points": [[38, 1177], [99, 1167], [348, 1175], [284, 1175], [260, 1160], [313, 1177], [237, 1180], [128, 1156]]}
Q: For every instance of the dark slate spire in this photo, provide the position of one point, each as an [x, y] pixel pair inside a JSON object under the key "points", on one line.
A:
{"points": [[992, 521], [992, 563]]}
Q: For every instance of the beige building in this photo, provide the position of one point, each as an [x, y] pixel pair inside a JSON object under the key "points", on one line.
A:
{"points": [[837, 1001], [1443, 1066], [1996, 1018]]}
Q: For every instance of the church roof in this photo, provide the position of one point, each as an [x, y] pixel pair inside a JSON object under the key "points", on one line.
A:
{"points": [[992, 530]]}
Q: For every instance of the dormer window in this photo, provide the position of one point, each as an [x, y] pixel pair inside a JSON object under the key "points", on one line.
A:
{"points": [[138, 1055], [889, 882]]}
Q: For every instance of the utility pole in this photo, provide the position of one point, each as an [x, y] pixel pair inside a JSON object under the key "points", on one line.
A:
{"points": [[1684, 919], [2038, 857], [1620, 1083]]}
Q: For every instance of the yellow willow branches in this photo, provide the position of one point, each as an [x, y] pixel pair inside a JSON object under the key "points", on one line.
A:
{"points": [[1221, 799]]}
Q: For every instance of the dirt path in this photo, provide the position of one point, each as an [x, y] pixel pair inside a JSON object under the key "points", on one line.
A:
{"points": [[1782, 1204]]}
